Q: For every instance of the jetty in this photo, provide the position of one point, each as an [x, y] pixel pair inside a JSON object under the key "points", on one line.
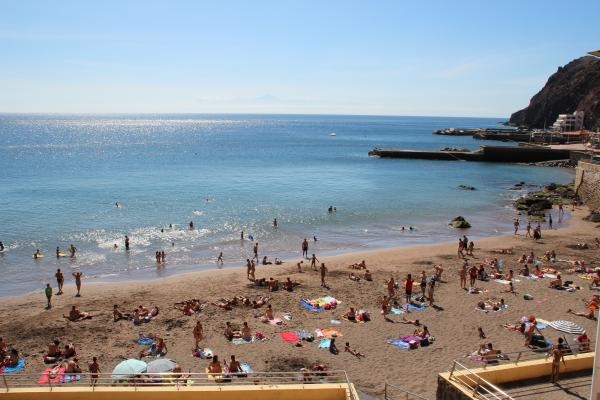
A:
{"points": [[511, 135], [520, 154]]}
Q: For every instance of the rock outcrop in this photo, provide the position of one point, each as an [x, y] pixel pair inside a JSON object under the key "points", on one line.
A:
{"points": [[460, 223], [574, 87]]}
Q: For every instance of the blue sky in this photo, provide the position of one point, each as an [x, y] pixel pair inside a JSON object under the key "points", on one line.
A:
{"points": [[451, 58]]}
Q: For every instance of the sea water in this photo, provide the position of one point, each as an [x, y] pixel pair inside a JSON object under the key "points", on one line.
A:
{"points": [[62, 176]]}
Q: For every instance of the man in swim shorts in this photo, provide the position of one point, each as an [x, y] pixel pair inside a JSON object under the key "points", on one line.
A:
{"points": [[60, 279]]}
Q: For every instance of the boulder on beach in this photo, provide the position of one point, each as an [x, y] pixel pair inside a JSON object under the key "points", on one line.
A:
{"points": [[460, 223]]}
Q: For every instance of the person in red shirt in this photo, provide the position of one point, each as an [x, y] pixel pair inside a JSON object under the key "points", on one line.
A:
{"points": [[408, 285]]}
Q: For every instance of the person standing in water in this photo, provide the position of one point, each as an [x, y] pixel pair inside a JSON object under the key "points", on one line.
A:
{"points": [[126, 242], [274, 222], [72, 250]]}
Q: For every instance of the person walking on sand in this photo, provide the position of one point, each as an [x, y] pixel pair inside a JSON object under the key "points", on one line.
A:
{"points": [[48, 292], [77, 276], [323, 271], [462, 273], [255, 249], [198, 333], [60, 280], [516, 225], [549, 220], [94, 369], [305, 248], [557, 356], [313, 262]]}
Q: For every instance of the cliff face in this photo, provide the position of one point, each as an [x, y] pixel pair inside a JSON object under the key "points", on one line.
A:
{"points": [[576, 86]]}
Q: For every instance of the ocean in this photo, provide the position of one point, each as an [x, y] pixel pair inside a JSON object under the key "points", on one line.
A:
{"points": [[62, 176]]}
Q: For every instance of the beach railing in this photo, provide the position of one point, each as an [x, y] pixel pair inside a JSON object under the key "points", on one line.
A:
{"points": [[394, 392], [176, 381], [475, 384]]}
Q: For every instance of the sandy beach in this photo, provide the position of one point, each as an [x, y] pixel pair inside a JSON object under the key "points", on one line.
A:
{"points": [[29, 327]]}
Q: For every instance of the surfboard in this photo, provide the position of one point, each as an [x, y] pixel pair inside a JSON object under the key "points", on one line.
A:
{"points": [[61, 254], [37, 256]]}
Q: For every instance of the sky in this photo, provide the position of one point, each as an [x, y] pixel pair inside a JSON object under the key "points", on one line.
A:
{"points": [[431, 58]]}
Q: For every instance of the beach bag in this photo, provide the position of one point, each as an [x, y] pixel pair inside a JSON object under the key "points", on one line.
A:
{"points": [[527, 296], [413, 345], [424, 342]]}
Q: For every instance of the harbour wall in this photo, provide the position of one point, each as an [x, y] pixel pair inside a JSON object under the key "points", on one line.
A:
{"points": [[587, 183]]}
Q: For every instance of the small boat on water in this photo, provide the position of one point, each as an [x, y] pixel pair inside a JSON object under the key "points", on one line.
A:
{"points": [[332, 134]]}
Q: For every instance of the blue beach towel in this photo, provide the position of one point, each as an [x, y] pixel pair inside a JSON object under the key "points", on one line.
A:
{"points": [[398, 343], [145, 341], [20, 365], [68, 378], [413, 307], [308, 306], [324, 344], [246, 367]]}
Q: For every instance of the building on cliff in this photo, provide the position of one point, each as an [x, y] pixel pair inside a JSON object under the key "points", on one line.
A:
{"points": [[569, 122]]}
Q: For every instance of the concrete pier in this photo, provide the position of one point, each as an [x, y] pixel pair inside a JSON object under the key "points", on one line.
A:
{"points": [[521, 154]]}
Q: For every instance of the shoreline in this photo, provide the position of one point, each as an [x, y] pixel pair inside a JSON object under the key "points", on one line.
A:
{"points": [[386, 252], [454, 323]]}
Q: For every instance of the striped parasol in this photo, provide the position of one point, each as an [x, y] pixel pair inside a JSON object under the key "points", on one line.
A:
{"points": [[566, 326]]}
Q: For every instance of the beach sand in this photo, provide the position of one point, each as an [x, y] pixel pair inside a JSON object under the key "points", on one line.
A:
{"points": [[28, 326]]}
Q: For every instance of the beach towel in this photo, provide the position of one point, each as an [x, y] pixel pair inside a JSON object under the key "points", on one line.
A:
{"points": [[409, 338], [68, 378], [304, 303], [240, 340], [548, 275], [145, 341], [324, 343], [397, 311], [328, 333], [414, 307], [398, 343], [502, 281], [203, 353], [289, 336], [320, 304], [45, 377], [246, 367], [275, 321], [16, 368], [475, 357]]}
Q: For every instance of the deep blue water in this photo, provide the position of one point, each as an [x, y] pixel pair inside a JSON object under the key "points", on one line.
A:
{"points": [[62, 174]]}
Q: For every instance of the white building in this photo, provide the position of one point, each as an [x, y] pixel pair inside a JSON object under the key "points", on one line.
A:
{"points": [[569, 122]]}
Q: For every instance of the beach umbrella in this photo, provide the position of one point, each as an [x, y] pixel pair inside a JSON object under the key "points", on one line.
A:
{"points": [[566, 326], [128, 368], [160, 365]]}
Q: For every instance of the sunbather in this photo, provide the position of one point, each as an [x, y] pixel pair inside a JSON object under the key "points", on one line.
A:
{"points": [[556, 283], [368, 276], [158, 348], [332, 347], [422, 332], [268, 316], [215, 366], [414, 322], [350, 315], [355, 353], [72, 366], [76, 315], [354, 277], [118, 315]]}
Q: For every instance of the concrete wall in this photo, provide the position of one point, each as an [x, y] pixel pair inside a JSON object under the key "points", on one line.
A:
{"points": [[258, 392], [587, 184], [449, 390]]}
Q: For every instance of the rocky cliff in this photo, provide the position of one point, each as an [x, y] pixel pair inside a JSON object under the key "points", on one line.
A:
{"points": [[576, 86]]}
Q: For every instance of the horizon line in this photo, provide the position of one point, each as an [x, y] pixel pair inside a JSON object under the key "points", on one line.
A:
{"points": [[501, 119]]}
